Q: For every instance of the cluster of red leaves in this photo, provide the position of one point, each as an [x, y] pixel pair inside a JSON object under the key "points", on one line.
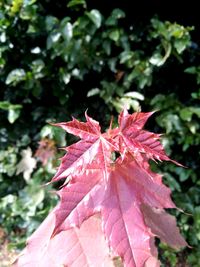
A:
{"points": [[107, 207]]}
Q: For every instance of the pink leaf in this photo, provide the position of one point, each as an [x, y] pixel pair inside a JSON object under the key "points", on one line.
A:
{"points": [[119, 203], [94, 148], [79, 246], [137, 119], [164, 226], [129, 198], [85, 130], [152, 262], [78, 201], [136, 140]]}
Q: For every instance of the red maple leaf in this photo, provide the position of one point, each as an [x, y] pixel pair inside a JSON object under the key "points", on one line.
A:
{"points": [[95, 148], [125, 193]]}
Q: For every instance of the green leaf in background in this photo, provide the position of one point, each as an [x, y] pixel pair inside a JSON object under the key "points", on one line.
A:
{"points": [[191, 70], [15, 76], [126, 56], [114, 17], [156, 59], [187, 113], [114, 35], [92, 92], [28, 12], [13, 110], [13, 114], [16, 6], [95, 17], [75, 3], [50, 22]]}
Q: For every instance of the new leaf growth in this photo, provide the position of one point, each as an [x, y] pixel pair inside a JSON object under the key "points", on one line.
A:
{"points": [[120, 201]]}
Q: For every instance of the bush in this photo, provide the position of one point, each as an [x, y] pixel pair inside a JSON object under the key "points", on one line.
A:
{"points": [[60, 59]]}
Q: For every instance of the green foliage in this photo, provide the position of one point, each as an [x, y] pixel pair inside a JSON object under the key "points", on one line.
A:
{"points": [[13, 110], [59, 59]]}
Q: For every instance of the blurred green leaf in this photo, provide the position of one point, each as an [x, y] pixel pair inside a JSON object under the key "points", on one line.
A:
{"points": [[125, 56], [114, 17], [28, 12], [135, 95], [95, 17], [191, 70], [75, 3], [186, 113], [13, 110], [51, 22], [15, 76], [92, 92], [114, 35], [13, 114], [156, 59]]}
